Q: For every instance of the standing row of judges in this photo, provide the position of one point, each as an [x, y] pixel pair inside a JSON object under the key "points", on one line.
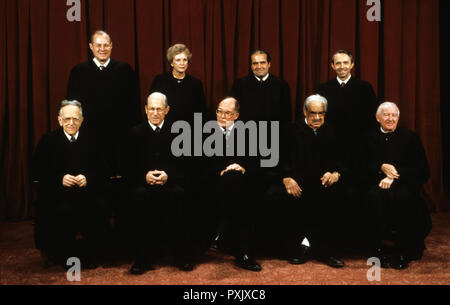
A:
{"points": [[324, 172]]}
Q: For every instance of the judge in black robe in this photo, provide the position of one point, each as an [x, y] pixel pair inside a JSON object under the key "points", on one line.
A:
{"points": [[74, 207], [229, 181], [307, 201], [110, 98], [396, 168], [184, 92], [351, 105], [155, 180]]}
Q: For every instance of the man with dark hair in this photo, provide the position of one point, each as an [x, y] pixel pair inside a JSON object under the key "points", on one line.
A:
{"points": [[155, 180], [263, 96], [68, 165], [351, 104], [307, 197], [109, 92], [396, 168]]}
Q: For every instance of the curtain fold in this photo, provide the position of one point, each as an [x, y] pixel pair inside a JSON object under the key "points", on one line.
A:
{"points": [[399, 56]]}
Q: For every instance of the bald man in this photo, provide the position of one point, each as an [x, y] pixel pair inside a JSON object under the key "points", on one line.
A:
{"points": [[155, 180]]}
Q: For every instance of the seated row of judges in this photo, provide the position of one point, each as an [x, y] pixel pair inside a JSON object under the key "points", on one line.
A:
{"points": [[304, 199]]}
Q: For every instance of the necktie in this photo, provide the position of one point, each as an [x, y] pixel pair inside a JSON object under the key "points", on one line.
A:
{"points": [[72, 139], [102, 68], [342, 85], [157, 130]]}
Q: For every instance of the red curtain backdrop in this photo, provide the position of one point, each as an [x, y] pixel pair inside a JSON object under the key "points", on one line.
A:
{"points": [[399, 56]]}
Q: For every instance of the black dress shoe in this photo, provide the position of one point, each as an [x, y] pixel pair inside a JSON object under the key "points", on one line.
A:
{"points": [[248, 262], [384, 259], [400, 262], [332, 261], [215, 243], [302, 256], [141, 267]]}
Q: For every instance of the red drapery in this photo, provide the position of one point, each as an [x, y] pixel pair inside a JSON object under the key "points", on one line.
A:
{"points": [[399, 56]]}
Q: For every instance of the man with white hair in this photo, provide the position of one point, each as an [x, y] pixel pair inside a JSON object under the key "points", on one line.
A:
{"points": [[308, 197], [396, 168], [155, 180], [69, 167]]}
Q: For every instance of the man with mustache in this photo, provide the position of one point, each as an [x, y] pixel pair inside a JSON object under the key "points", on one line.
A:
{"points": [[307, 197]]}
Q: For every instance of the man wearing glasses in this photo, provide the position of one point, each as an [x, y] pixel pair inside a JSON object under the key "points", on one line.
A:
{"points": [[229, 178], [308, 196], [71, 218]]}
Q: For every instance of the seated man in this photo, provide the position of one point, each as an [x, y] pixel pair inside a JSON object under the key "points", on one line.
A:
{"points": [[307, 200], [229, 178], [154, 178], [71, 178], [396, 168]]}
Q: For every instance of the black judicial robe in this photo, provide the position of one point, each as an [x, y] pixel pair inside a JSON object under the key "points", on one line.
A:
{"points": [[185, 97], [307, 156], [403, 149], [150, 151], [351, 109], [55, 156], [266, 101], [110, 100]]}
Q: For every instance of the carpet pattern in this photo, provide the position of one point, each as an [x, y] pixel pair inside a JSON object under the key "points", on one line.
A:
{"points": [[21, 264]]}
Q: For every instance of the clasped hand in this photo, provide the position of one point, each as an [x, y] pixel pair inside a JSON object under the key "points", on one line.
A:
{"points": [[72, 181], [233, 167], [156, 177]]}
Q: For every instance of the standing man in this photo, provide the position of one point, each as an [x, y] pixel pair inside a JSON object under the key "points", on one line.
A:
{"points": [[351, 104], [396, 168], [109, 92], [68, 165], [155, 180], [262, 96]]}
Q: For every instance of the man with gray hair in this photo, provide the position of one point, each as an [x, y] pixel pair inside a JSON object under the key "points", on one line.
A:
{"points": [[69, 167], [308, 195], [395, 167]]}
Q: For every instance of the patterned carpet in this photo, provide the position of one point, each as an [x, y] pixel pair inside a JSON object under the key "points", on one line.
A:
{"points": [[20, 264]]}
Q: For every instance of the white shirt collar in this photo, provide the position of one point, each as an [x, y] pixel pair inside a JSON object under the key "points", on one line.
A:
{"points": [[69, 136], [99, 64], [263, 79], [154, 126], [343, 81]]}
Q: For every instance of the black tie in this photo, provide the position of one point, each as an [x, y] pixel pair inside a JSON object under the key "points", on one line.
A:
{"points": [[72, 139], [102, 67], [342, 85], [157, 129]]}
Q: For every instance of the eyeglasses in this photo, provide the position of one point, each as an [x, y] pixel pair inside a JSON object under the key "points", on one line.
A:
{"points": [[158, 110], [313, 113], [225, 113], [105, 46], [74, 120]]}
